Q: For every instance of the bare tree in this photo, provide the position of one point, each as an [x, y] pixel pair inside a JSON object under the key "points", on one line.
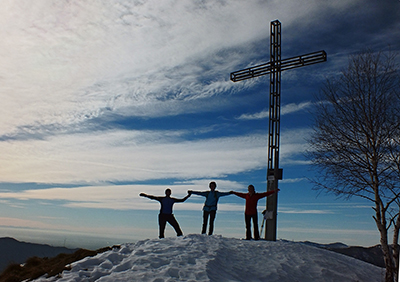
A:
{"points": [[355, 145]]}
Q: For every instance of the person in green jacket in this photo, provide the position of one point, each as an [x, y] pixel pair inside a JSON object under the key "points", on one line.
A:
{"points": [[210, 205]]}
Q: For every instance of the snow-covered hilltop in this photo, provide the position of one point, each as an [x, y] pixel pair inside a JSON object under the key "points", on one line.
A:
{"points": [[219, 259]]}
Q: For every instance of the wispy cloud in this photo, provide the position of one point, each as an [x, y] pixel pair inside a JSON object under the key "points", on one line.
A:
{"points": [[334, 232], [117, 155], [18, 222], [286, 109], [292, 107], [121, 197], [127, 156], [304, 211], [85, 57], [260, 115], [69, 63], [124, 56], [293, 180]]}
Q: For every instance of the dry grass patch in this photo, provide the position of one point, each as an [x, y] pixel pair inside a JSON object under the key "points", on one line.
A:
{"points": [[36, 267]]}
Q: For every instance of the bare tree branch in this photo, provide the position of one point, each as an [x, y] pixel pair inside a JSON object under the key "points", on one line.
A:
{"points": [[355, 145]]}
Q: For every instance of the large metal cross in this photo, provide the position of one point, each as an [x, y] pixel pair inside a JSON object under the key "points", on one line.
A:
{"points": [[274, 68]]}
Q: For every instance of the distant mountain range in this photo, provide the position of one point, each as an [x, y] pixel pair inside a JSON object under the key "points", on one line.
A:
{"points": [[14, 251], [372, 255], [326, 246]]}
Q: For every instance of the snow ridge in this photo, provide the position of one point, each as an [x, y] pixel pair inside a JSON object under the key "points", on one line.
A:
{"points": [[217, 259]]}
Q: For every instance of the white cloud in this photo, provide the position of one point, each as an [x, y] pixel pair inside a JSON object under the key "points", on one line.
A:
{"points": [[293, 146], [136, 156], [286, 109], [127, 156], [293, 180], [18, 222], [121, 197], [260, 115], [66, 61], [335, 232], [304, 211], [292, 107], [52, 53]]}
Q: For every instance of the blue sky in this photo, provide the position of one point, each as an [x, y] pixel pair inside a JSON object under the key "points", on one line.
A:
{"points": [[102, 100]]}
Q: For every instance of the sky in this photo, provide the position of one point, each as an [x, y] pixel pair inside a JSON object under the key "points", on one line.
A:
{"points": [[103, 100]]}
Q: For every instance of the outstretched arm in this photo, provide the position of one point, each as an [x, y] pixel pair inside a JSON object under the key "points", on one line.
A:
{"points": [[222, 194], [148, 196], [183, 199], [266, 194], [241, 195], [197, 193]]}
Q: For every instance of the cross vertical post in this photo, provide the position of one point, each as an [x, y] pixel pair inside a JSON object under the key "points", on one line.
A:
{"points": [[274, 68], [274, 129]]}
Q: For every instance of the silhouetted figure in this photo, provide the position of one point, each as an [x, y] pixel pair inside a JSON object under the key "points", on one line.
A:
{"points": [[251, 209], [210, 205], [165, 214]]}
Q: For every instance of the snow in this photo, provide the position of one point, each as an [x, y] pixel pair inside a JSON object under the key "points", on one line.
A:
{"points": [[218, 259]]}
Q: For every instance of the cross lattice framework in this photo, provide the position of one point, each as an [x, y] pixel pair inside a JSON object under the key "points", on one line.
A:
{"points": [[274, 68]]}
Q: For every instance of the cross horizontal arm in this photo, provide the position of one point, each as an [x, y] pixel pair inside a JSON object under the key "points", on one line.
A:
{"points": [[286, 64], [304, 60]]}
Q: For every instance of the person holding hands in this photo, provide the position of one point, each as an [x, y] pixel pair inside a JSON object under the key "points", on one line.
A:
{"points": [[250, 212], [210, 205], [166, 214]]}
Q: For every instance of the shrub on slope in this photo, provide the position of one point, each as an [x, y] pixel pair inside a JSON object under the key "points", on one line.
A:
{"points": [[36, 267]]}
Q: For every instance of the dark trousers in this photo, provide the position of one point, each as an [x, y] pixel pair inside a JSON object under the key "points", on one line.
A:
{"points": [[162, 222], [248, 219], [212, 215]]}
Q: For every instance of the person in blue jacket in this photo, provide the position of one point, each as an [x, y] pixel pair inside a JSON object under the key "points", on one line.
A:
{"points": [[210, 205], [165, 214]]}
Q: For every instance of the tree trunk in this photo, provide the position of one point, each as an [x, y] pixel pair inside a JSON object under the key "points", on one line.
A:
{"points": [[396, 248], [387, 255], [389, 275]]}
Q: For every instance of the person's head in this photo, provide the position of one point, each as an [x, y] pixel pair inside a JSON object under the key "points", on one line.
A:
{"points": [[212, 185], [251, 189], [167, 192]]}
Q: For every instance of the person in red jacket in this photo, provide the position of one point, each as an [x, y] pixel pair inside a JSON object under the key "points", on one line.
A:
{"points": [[251, 209]]}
